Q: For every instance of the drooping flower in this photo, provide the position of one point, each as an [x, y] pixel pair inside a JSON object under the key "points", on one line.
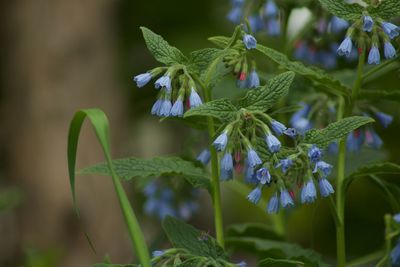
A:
{"points": [[345, 47], [249, 174], [255, 195], [324, 167], [235, 15], [374, 56], [308, 193], [278, 127], [390, 29], [252, 158], [156, 107], [164, 82], [221, 141], [142, 79], [314, 153], [372, 139], [389, 50], [227, 162], [194, 99], [165, 109], [384, 119], [241, 264], [225, 175], [286, 199], [354, 141], [284, 164], [368, 23], [263, 176], [273, 204], [256, 23], [271, 9], [325, 188], [249, 41], [204, 156], [338, 24], [253, 81], [177, 108], [291, 132], [273, 143], [157, 253]]}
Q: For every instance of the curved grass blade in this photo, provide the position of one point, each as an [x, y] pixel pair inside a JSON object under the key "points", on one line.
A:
{"points": [[100, 125]]}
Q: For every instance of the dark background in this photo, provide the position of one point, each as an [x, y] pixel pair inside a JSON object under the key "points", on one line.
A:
{"points": [[60, 56]]}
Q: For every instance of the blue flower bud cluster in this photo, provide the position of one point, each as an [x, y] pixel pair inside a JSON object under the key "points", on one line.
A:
{"points": [[176, 87], [373, 33], [264, 19], [161, 200]]}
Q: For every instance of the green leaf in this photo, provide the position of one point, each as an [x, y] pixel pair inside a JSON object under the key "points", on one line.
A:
{"points": [[335, 131], [129, 168], [221, 41], [279, 263], [259, 230], [221, 109], [333, 85], [161, 50], [263, 98], [183, 235], [277, 250], [200, 60], [376, 169], [376, 95], [342, 9], [100, 125], [386, 9]]}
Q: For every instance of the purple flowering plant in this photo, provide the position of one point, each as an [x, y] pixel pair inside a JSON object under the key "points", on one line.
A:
{"points": [[270, 143]]}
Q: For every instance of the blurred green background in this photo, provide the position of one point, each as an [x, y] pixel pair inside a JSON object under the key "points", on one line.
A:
{"points": [[59, 56]]}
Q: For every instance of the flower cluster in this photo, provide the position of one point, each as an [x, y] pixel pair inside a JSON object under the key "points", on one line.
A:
{"points": [[162, 201], [311, 166], [176, 86], [264, 19], [370, 33], [238, 61]]}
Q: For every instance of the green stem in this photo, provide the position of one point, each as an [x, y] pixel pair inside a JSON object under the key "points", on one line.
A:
{"points": [[216, 192], [344, 111]]}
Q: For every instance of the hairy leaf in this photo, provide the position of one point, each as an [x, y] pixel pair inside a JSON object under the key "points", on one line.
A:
{"points": [[277, 250], [199, 60], [221, 41], [333, 85], [342, 9], [183, 235], [129, 168], [221, 109], [279, 263], [380, 94], [386, 9], [335, 131], [161, 50], [377, 168], [263, 98]]}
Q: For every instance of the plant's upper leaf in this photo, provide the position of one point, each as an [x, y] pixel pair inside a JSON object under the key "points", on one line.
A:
{"points": [[183, 235], [129, 168], [278, 250], [377, 168], [222, 109], [386, 9], [342, 9], [200, 60], [161, 50], [263, 98], [221, 41], [335, 131], [313, 73]]}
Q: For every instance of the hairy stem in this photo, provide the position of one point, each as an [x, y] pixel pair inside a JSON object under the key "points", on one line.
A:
{"points": [[216, 192], [343, 112]]}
